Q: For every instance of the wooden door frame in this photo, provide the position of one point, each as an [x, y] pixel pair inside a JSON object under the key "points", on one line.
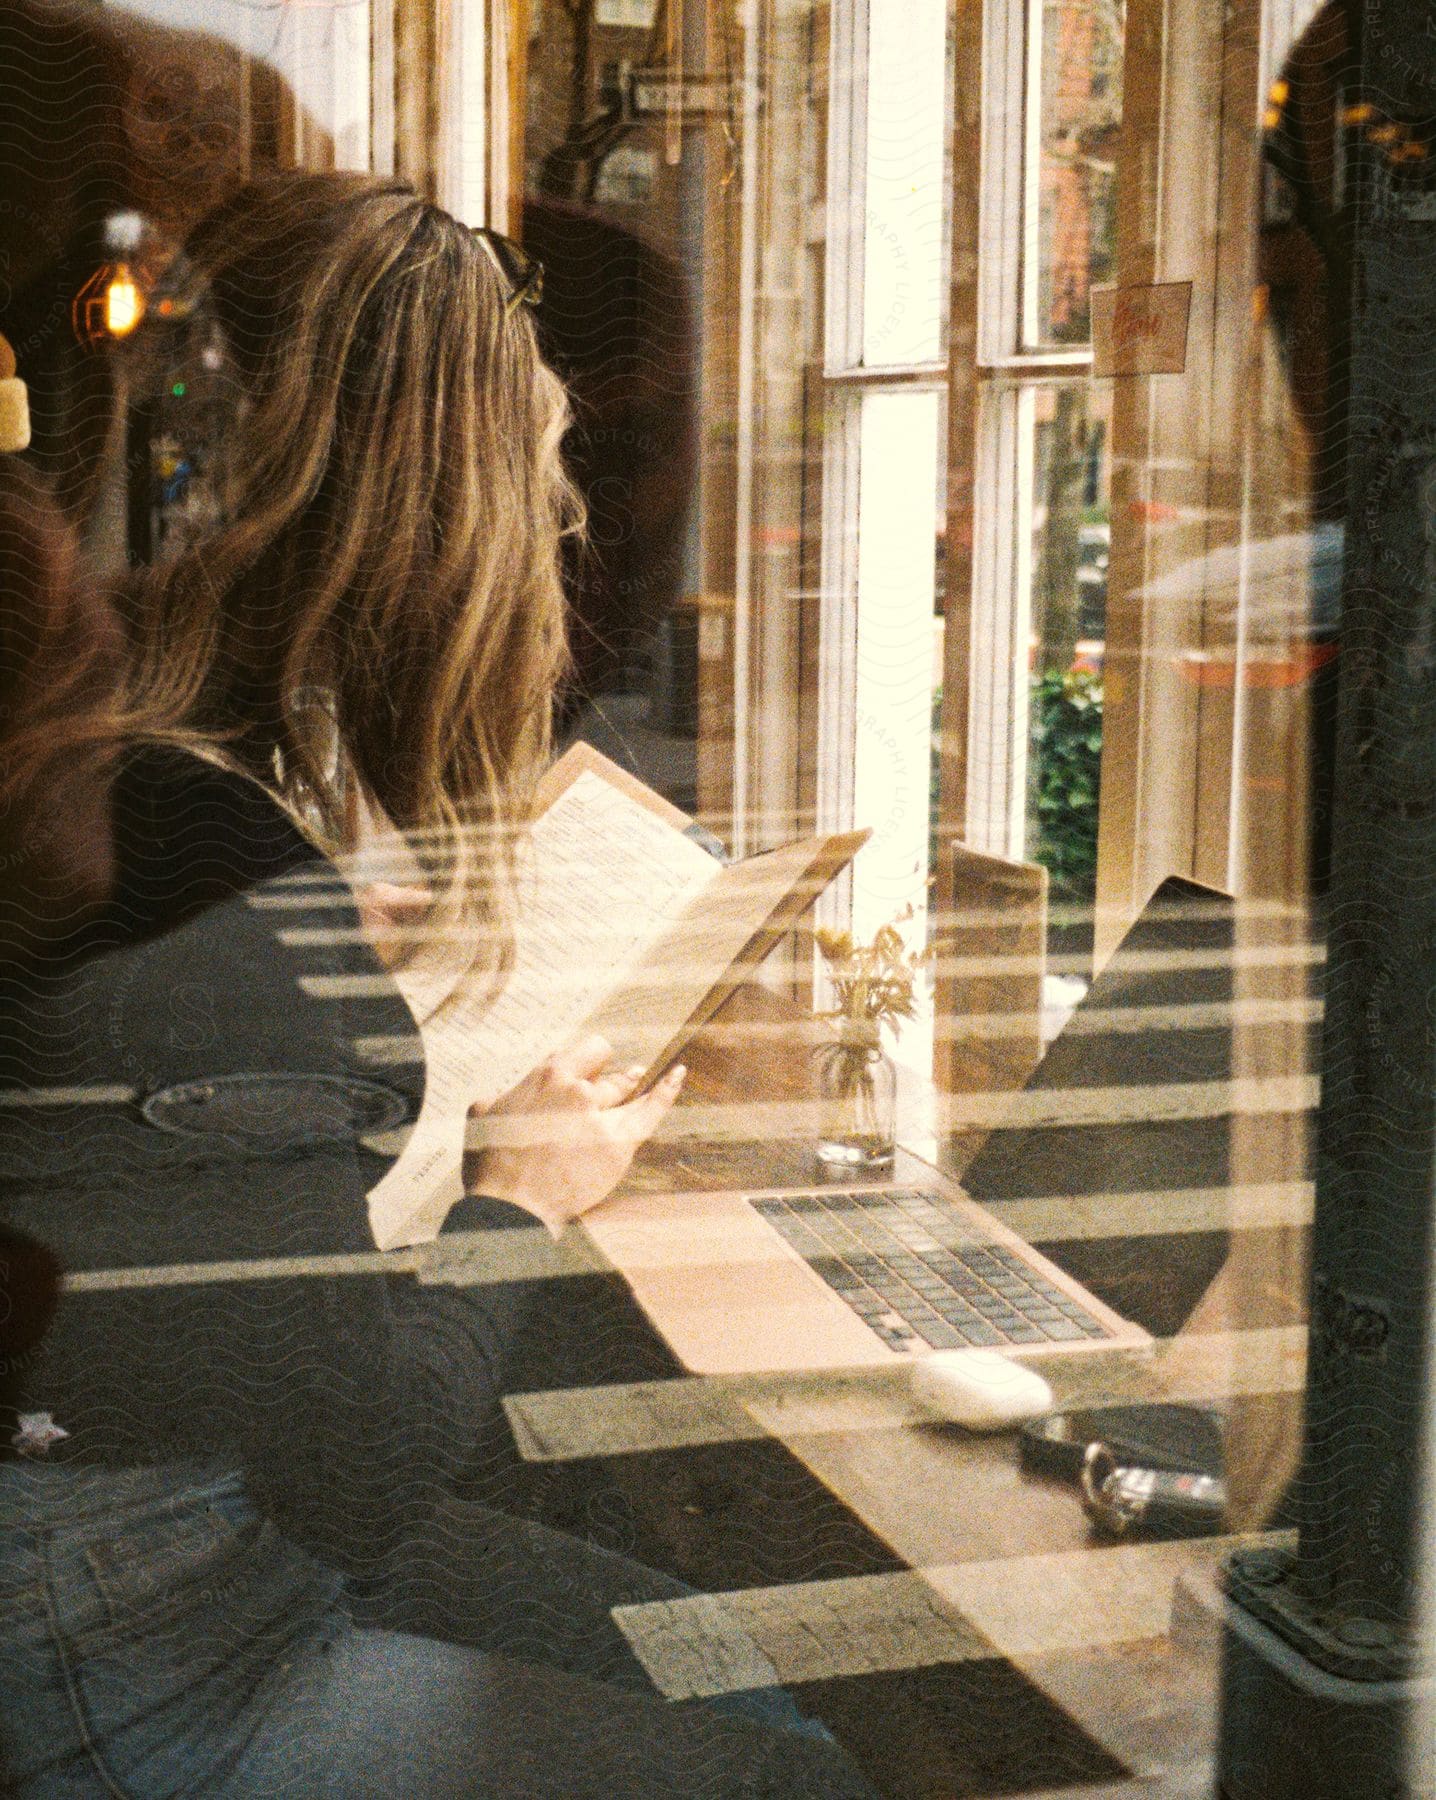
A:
{"points": [[1175, 727], [447, 80]]}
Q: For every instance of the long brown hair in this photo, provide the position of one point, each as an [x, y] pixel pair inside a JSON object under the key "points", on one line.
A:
{"points": [[380, 616]]}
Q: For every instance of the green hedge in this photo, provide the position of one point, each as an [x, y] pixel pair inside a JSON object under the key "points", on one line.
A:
{"points": [[1064, 771], [1065, 764]]}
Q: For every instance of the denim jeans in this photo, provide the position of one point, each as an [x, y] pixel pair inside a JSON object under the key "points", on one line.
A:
{"points": [[160, 1639]]}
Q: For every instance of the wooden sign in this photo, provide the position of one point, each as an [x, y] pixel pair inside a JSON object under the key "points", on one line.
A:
{"points": [[1141, 330], [636, 15], [654, 92]]}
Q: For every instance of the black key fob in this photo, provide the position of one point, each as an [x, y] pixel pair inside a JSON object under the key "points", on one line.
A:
{"points": [[1130, 1501]]}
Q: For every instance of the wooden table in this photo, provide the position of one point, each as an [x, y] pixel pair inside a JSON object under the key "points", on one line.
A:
{"points": [[985, 1583]]}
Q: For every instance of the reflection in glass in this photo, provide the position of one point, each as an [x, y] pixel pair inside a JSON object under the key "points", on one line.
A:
{"points": [[1072, 173], [630, 197], [320, 50], [904, 276], [1071, 540]]}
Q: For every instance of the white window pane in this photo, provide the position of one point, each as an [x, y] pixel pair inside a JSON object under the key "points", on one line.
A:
{"points": [[903, 281], [897, 540], [635, 14]]}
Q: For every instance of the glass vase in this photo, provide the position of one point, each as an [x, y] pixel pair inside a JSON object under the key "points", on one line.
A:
{"points": [[857, 1102]]}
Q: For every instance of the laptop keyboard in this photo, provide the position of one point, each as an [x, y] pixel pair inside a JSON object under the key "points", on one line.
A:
{"points": [[917, 1274]]}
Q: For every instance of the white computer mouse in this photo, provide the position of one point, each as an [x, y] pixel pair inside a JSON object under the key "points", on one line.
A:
{"points": [[981, 1389]]}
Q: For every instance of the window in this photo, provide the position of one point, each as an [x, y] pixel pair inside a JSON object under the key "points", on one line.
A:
{"points": [[765, 193], [884, 382], [1074, 101], [1024, 781]]}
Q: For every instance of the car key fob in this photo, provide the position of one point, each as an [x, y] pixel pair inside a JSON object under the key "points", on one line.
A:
{"points": [[1133, 1501]]}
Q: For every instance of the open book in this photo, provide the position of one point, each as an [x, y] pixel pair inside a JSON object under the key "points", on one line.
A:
{"points": [[624, 926]]}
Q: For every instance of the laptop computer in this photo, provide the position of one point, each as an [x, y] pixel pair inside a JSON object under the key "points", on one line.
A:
{"points": [[837, 1277], [832, 1277]]}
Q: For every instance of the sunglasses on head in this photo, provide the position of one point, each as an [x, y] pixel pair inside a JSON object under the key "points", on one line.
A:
{"points": [[522, 273]]}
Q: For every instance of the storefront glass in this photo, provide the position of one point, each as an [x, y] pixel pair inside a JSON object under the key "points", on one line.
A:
{"points": [[1002, 432]]}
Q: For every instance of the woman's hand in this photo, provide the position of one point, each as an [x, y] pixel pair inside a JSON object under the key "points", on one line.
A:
{"points": [[563, 1139]]}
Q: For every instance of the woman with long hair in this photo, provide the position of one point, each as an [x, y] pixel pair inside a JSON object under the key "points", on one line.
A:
{"points": [[240, 1551], [380, 615]]}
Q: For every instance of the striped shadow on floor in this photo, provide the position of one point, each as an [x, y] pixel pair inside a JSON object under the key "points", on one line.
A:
{"points": [[458, 1259], [1022, 1607], [636, 1418]]}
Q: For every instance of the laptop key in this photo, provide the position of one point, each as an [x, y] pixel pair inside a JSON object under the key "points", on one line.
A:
{"points": [[913, 1270], [891, 1287], [1061, 1331]]}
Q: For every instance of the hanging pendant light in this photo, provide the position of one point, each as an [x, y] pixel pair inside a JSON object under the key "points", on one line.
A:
{"points": [[113, 301]]}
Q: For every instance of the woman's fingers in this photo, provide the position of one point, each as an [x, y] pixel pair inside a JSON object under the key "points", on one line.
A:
{"points": [[645, 1112], [583, 1059], [615, 1086], [562, 1140]]}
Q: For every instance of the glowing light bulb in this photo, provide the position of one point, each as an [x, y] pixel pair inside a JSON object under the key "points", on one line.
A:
{"points": [[115, 300], [124, 304]]}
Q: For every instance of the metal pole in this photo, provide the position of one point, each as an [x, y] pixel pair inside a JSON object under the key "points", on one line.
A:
{"points": [[1320, 1665]]}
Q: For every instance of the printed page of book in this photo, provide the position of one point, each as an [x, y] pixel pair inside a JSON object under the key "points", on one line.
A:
{"points": [[604, 878]]}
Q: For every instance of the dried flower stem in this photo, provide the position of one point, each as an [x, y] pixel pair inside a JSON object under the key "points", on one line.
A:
{"points": [[876, 983]]}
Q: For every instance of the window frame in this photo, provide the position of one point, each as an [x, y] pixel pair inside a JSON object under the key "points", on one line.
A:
{"points": [[846, 380], [997, 156]]}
